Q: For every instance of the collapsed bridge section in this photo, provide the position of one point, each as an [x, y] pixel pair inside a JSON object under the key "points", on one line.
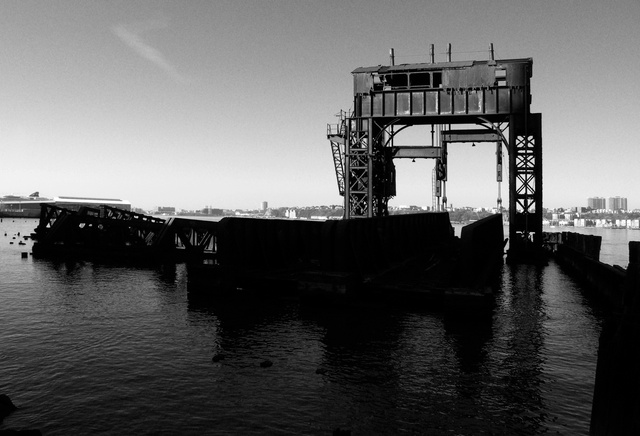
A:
{"points": [[111, 233]]}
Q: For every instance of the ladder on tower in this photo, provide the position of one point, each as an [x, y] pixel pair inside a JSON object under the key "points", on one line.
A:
{"points": [[336, 134]]}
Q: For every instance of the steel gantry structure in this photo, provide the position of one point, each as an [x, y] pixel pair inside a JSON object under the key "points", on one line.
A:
{"points": [[492, 96]]}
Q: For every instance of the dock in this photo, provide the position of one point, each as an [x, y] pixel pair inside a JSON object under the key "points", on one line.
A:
{"points": [[400, 257]]}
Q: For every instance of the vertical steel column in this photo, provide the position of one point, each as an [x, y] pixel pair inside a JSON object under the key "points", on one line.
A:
{"points": [[358, 161], [499, 174], [513, 227], [347, 167], [537, 138], [525, 185], [370, 175]]}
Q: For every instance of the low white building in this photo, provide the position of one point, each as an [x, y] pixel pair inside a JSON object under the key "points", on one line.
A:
{"points": [[75, 203]]}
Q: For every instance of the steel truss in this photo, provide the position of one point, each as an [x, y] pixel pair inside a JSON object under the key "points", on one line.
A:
{"points": [[525, 183], [109, 231], [358, 165]]}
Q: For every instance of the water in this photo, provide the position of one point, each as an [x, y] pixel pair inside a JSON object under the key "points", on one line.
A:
{"points": [[94, 349]]}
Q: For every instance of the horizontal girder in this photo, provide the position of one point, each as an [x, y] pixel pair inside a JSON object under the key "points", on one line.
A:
{"points": [[439, 103], [416, 152], [474, 135]]}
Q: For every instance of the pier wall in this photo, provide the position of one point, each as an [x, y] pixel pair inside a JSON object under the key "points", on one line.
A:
{"points": [[580, 254], [256, 243], [616, 399], [482, 251], [366, 245], [356, 245]]}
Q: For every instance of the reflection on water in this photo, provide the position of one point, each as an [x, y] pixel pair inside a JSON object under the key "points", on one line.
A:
{"points": [[90, 348], [413, 370], [521, 348]]}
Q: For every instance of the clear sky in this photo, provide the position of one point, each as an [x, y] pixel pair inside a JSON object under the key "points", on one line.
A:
{"points": [[225, 103]]}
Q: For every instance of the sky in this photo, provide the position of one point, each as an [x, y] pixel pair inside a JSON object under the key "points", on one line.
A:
{"points": [[226, 103]]}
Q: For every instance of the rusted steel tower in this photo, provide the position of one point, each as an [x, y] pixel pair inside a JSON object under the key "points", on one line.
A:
{"points": [[490, 98]]}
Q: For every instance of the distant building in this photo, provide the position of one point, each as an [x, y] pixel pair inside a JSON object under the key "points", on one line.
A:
{"points": [[291, 213], [167, 210], [210, 210], [617, 203], [265, 205], [75, 203], [596, 203], [18, 206]]}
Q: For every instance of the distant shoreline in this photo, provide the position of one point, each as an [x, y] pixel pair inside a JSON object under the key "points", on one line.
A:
{"points": [[20, 214]]}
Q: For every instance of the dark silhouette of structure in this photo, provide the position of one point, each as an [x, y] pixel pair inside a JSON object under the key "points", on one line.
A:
{"points": [[493, 96]]}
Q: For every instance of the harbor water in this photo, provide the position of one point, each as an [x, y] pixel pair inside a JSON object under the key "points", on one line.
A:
{"points": [[88, 348]]}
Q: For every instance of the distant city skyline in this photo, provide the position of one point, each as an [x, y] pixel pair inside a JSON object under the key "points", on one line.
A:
{"points": [[595, 203], [227, 103], [612, 203], [31, 202]]}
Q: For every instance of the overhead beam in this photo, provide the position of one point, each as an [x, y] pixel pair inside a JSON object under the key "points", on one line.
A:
{"points": [[472, 135], [416, 152]]}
